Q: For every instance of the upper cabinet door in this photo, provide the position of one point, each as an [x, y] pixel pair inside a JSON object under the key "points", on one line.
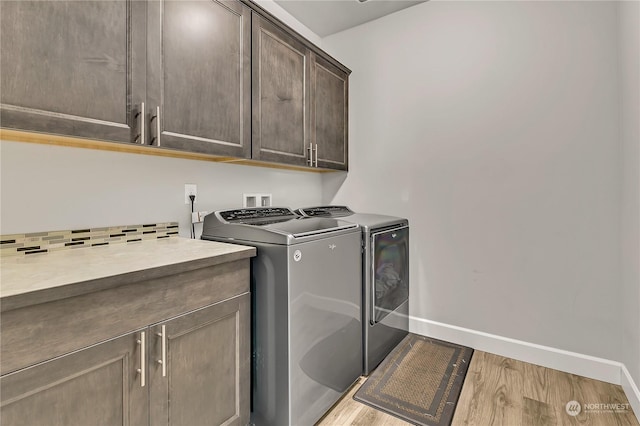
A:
{"points": [[73, 68], [329, 112], [199, 76], [280, 72]]}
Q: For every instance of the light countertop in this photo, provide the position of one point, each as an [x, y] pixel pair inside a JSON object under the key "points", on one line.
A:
{"points": [[29, 279]]}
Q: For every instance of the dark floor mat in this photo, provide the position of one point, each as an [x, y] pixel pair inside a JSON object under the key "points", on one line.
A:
{"points": [[419, 381]]}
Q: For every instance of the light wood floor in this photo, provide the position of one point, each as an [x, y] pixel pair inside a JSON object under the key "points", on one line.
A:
{"points": [[503, 391]]}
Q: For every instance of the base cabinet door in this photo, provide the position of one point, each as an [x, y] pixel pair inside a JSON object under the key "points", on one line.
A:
{"points": [[200, 365], [74, 68], [329, 112], [99, 385]]}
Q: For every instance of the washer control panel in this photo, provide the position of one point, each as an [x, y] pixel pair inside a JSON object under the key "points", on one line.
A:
{"points": [[256, 214]]}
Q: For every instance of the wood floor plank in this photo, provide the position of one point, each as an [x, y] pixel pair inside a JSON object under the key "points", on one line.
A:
{"points": [[471, 394], [507, 392], [508, 401], [537, 413], [496, 394], [537, 385], [348, 411], [537, 397]]}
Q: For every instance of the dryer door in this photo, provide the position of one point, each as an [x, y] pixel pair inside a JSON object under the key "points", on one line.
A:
{"points": [[390, 263]]}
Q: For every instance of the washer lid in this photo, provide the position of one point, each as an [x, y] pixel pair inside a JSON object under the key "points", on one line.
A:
{"points": [[276, 225]]}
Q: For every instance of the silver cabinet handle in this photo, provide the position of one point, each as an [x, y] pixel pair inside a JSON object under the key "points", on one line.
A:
{"points": [[143, 359], [141, 114], [316, 155], [310, 150], [158, 130], [163, 361]]}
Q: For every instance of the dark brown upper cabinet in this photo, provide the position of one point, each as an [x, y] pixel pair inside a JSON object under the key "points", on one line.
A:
{"points": [[300, 101], [175, 74], [329, 114], [280, 109], [218, 77], [73, 68], [199, 76]]}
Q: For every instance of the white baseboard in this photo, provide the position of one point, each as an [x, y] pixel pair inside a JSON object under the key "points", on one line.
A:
{"points": [[631, 390], [570, 362]]}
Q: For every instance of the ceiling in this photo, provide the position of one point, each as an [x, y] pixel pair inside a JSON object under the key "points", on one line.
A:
{"points": [[326, 17]]}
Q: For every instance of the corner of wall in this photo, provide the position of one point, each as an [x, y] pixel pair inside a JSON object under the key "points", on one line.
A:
{"points": [[629, 98], [631, 390]]}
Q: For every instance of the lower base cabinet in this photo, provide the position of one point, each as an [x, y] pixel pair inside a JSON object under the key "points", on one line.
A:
{"points": [[196, 376], [98, 385], [189, 370]]}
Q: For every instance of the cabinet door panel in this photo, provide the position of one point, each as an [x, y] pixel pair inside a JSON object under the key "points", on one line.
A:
{"points": [[207, 356], [280, 95], [70, 68], [200, 75], [330, 89], [95, 386]]}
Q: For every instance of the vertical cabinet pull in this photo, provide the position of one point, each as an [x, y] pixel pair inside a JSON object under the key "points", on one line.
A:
{"points": [[163, 360], [158, 130], [143, 359], [310, 150], [140, 137], [316, 155], [156, 117]]}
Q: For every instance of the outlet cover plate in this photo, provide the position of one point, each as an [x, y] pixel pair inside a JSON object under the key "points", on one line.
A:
{"points": [[190, 189]]}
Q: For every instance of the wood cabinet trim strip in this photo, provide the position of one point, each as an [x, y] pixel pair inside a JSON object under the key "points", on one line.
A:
{"points": [[10, 135]]}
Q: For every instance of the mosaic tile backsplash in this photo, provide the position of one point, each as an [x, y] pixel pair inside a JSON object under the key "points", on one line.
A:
{"points": [[43, 242]]}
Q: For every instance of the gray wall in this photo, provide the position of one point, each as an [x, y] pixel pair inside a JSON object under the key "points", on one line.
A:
{"points": [[47, 188], [629, 24], [493, 126]]}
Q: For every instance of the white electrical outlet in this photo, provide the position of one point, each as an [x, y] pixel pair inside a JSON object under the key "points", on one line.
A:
{"points": [[256, 200], [265, 200], [190, 189], [249, 200]]}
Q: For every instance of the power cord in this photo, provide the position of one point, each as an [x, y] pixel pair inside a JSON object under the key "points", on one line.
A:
{"points": [[193, 226]]}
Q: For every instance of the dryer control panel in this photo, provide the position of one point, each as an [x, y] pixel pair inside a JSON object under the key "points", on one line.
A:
{"points": [[325, 211]]}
